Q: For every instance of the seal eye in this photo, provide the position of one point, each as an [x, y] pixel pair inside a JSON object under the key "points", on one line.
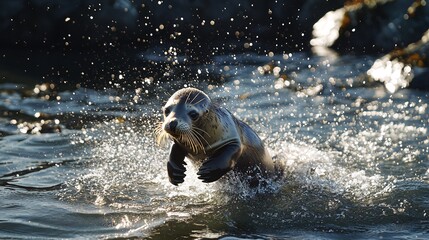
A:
{"points": [[193, 115], [166, 111]]}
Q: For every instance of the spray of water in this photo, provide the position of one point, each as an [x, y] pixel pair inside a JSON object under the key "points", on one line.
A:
{"points": [[126, 173]]}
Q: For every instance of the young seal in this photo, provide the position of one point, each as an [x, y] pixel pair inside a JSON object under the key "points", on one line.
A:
{"points": [[213, 138]]}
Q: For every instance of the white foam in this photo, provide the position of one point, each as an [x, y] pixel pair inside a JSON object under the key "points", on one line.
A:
{"points": [[324, 170]]}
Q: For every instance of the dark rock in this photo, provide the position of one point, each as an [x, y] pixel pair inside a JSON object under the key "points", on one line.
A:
{"points": [[421, 78], [372, 26], [401, 68]]}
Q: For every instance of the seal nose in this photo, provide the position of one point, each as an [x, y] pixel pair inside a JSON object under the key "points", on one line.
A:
{"points": [[172, 125]]}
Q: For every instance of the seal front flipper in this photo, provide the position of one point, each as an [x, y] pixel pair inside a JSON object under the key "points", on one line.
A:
{"points": [[222, 161], [175, 165]]}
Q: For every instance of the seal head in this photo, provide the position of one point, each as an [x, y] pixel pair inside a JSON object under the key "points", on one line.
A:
{"points": [[181, 112]]}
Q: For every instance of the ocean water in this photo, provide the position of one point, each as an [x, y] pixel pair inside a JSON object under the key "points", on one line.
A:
{"points": [[83, 163]]}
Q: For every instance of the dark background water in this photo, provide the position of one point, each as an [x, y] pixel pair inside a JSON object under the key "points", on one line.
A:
{"points": [[77, 152]]}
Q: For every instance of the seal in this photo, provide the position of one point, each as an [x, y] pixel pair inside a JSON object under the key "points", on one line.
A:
{"points": [[211, 137]]}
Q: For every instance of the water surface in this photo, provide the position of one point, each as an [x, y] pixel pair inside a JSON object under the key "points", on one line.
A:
{"points": [[356, 157]]}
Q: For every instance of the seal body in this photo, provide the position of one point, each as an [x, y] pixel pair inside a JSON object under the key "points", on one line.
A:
{"points": [[213, 138]]}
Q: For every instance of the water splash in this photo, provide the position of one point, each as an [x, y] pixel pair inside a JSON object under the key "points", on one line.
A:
{"points": [[126, 159], [323, 170], [127, 172]]}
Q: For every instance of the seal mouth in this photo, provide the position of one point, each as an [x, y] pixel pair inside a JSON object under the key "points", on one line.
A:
{"points": [[173, 134]]}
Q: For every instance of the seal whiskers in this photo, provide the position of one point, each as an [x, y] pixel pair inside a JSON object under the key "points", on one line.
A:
{"points": [[196, 95], [201, 130], [202, 99], [161, 134], [199, 138], [192, 140]]}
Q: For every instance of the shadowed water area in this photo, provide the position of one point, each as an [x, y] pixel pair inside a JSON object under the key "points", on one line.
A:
{"points": [[356, 156]]}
